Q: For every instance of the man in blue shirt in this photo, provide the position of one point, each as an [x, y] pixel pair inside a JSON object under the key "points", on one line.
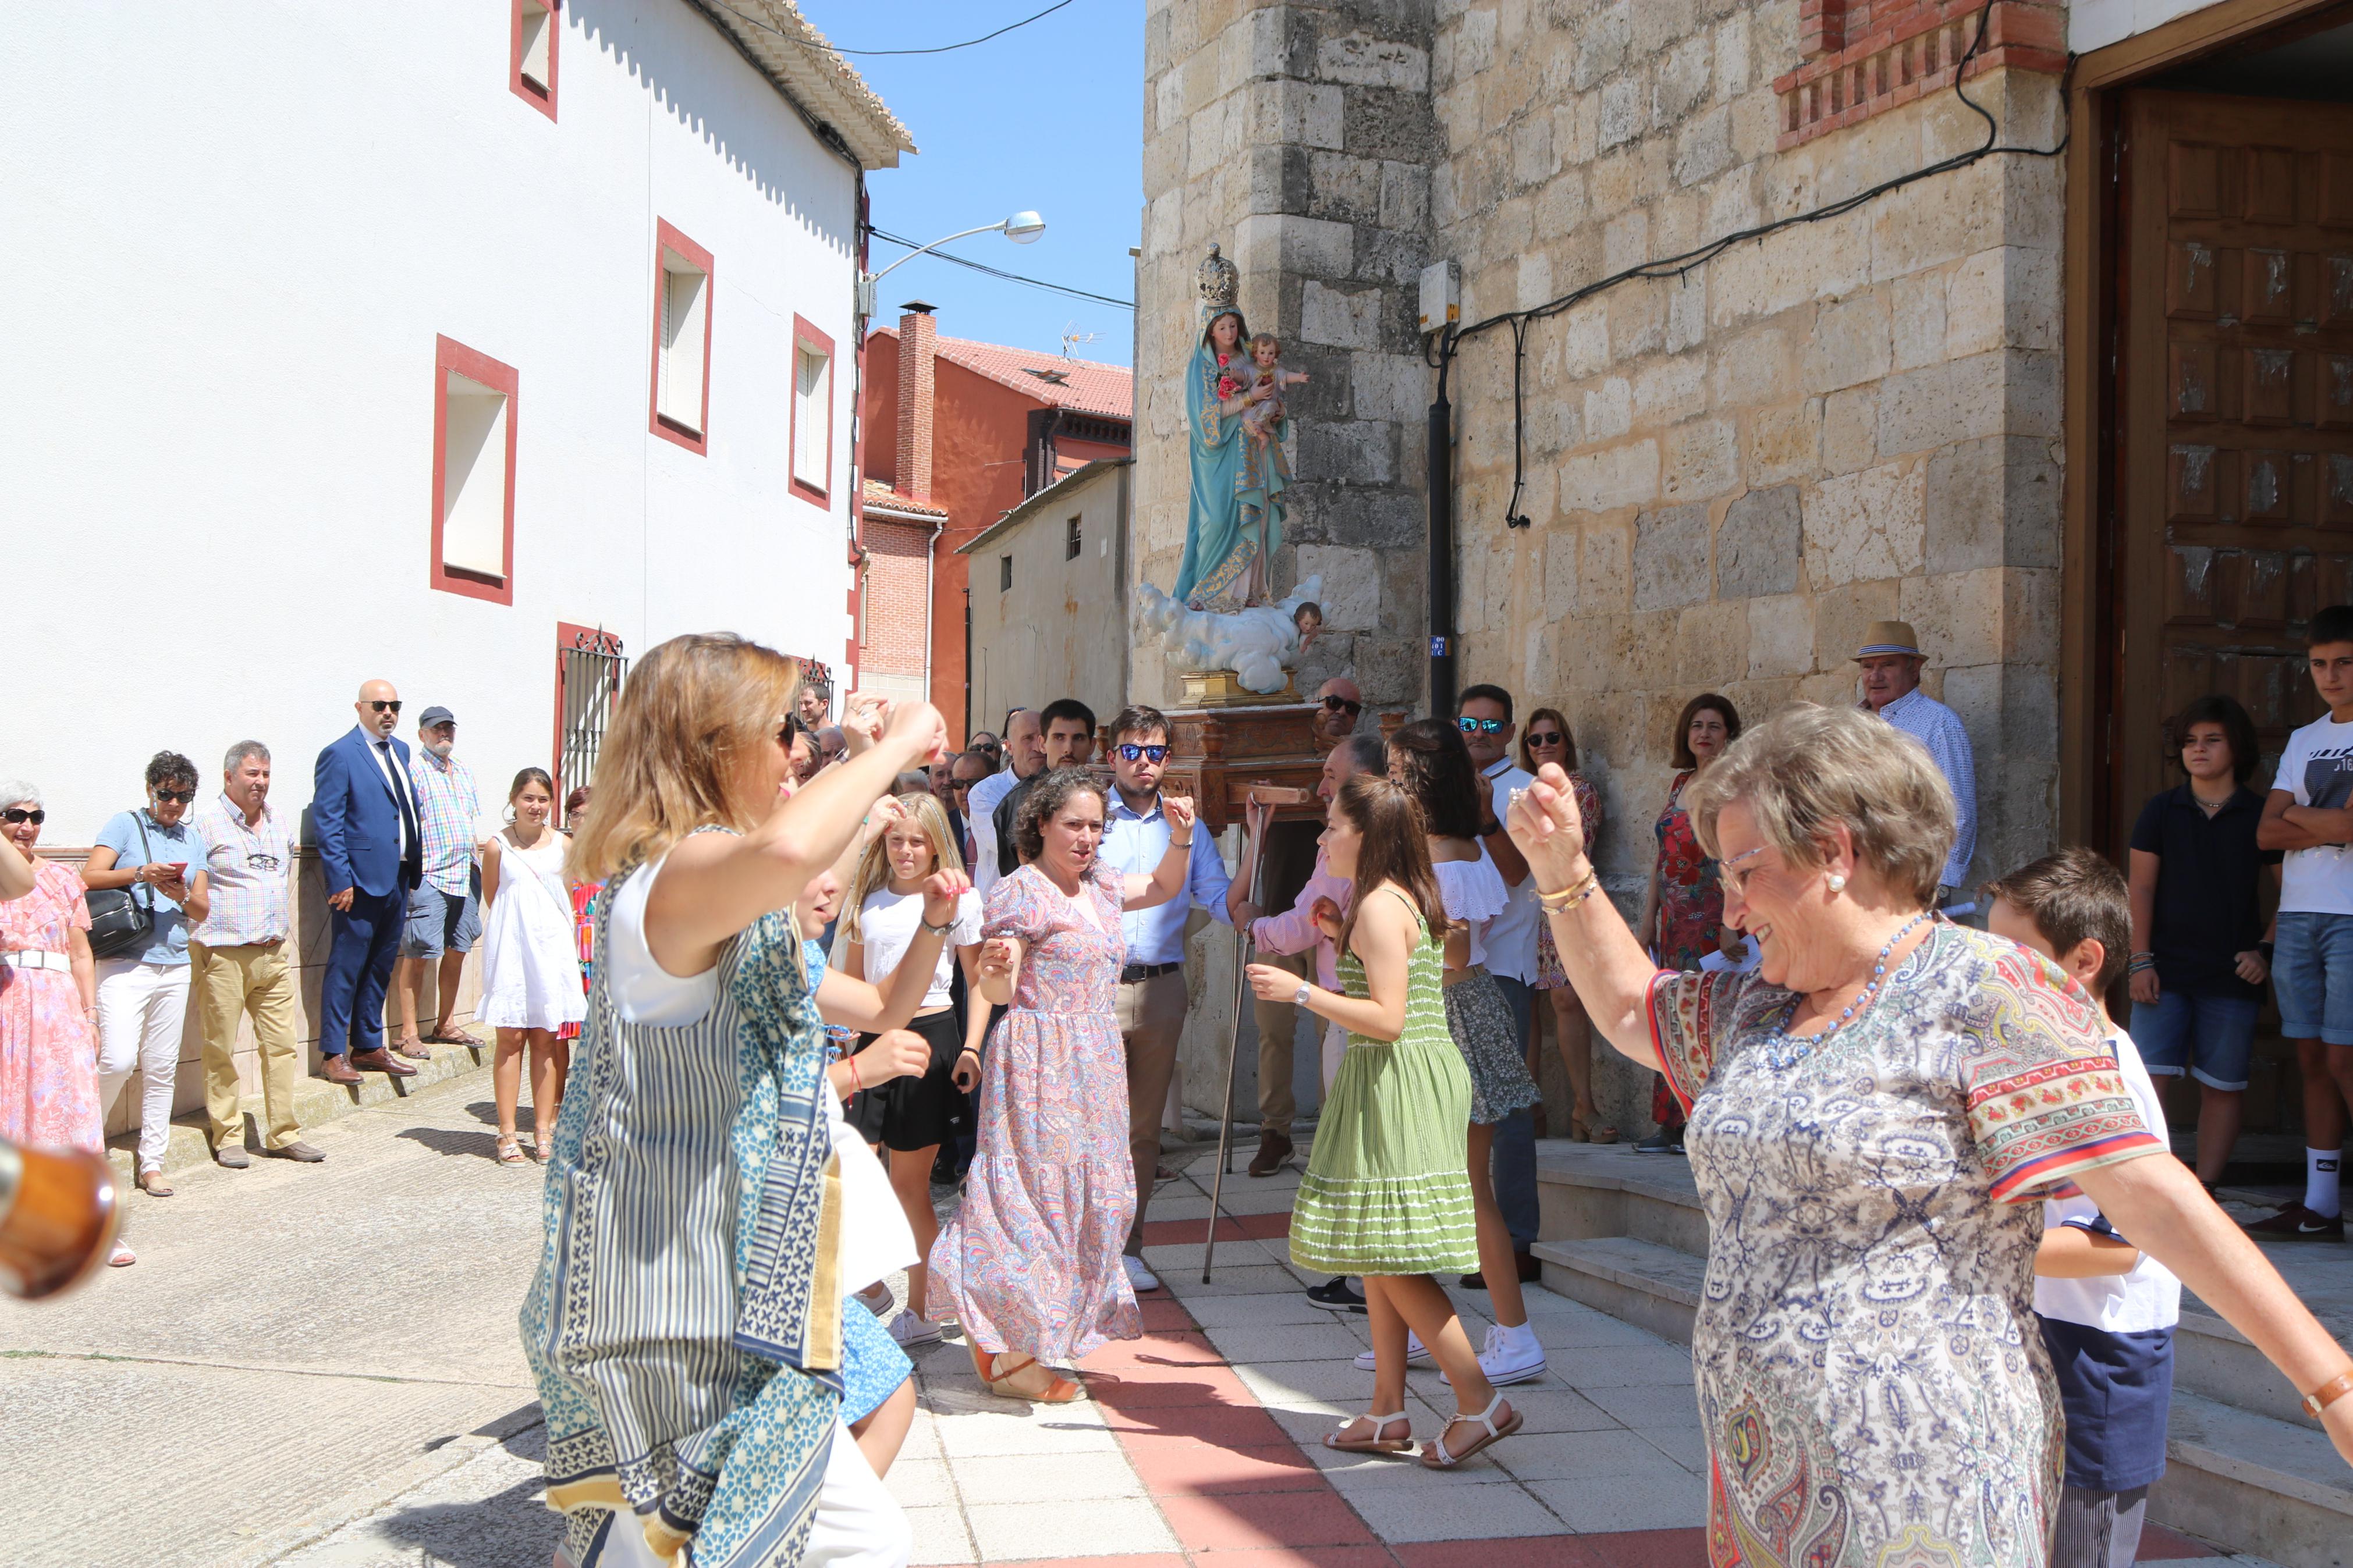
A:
{"points": [[1152, 993], [1891, 661]]}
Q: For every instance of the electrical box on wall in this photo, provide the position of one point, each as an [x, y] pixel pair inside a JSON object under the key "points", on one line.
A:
{"points": [[1441, 296]]}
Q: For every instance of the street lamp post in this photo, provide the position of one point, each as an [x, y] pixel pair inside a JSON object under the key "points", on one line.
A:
{"points": [[1020, 228]]}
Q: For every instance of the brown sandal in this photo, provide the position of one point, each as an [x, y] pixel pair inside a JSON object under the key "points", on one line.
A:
{"points": [[1434, 1454], [153, 1183], [1376, 1444], [1042, 1386]]}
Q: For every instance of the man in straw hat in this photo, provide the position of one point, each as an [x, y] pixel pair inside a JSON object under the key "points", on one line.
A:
{"points": [[1891, 661]]}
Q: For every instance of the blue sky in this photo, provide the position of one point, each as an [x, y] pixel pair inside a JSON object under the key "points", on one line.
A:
{"points": [[1049, 117]]}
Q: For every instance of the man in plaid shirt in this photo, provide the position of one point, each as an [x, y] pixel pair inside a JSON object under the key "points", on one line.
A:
{"points": [[443, 913]]}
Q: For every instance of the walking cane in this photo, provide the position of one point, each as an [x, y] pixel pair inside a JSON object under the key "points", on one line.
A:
{"points": [[1269, 795]]}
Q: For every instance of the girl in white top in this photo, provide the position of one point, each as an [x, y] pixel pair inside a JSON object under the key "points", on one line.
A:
{"points": [[530, 961], [907, 1120]]}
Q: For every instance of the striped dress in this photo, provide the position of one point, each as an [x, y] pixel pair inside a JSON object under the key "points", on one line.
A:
{"points": [[1388, 1186], [684, 1326]]}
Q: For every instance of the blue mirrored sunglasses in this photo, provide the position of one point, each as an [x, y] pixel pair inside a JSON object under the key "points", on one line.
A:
{"points": [[1480, 726], [1131, 750]]}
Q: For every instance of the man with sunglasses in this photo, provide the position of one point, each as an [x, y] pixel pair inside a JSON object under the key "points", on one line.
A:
{"points": [[445, 917], [967, 771], [239, 957], [363, 817], [1338, 705], [1152, 993]]}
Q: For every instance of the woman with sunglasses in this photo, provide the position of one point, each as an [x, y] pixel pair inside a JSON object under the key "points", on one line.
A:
{"points": [[1683, 909], [48, 998], [143, 992], [1548, 739]]}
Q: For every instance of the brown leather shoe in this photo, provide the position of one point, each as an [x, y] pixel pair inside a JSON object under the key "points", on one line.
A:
{"points": [[383, 1061], [337, 1068], [1273, 1148]]}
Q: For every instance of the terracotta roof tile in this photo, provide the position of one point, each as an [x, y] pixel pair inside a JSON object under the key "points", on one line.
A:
{"points": [[1080, 386], [877, 493]]}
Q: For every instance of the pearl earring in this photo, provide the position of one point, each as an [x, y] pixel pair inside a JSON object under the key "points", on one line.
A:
{"points": [[1838, 883]]}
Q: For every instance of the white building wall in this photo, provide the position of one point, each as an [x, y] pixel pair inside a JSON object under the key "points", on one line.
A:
{"points": [[234, 233], [2096, 24]]}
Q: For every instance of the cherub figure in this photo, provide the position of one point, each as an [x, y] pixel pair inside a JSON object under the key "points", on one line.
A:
{"points": [[1308, 619], [1267, 374]]}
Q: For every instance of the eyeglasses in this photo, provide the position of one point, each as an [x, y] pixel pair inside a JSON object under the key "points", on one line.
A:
{"points": [[1342, 705], [1132, 752], [1471, 726], [392, 707], [1737, 885], [16, 814], [261, 860], [181, 796], [1542, 738]]}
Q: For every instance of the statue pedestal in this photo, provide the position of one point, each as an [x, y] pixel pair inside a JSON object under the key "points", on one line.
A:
{"points": [[1218, 753], [1223, 689]]}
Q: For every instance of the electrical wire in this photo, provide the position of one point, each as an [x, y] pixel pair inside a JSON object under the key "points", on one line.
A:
{"points": [[943, 48], [1680, 266], [1000, 272]]}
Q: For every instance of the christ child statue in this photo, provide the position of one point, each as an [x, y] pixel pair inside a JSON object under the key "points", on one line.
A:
{"points": [[1267, 374]]}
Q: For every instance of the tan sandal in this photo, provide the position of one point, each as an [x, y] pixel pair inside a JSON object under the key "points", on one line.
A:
{"points": [[1435, 1454], [1376, 1444], [1025, 1379], [510, 1150]]}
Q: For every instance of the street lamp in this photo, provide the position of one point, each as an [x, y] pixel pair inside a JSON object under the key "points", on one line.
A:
{"points": [[1020, 228]]}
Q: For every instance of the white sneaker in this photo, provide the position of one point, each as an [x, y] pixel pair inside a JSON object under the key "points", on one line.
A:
{"points": [[1139, 1278], [909, 1329], [876, 1298], [1416, 1354], [1511, 1355]]}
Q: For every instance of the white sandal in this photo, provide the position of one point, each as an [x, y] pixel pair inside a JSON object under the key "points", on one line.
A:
{"points": [[1376, 1444], [1435, 1454]]}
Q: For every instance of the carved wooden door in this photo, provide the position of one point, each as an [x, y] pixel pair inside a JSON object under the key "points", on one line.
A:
{"points": [[2235, 412]]}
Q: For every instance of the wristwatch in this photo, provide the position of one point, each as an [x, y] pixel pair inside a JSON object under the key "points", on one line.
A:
{"points": [[1299, 997]]}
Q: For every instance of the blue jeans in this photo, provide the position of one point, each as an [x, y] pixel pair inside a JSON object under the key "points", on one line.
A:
{"points": [[1515, 1164], [2312, 976], [2211, 1037]]}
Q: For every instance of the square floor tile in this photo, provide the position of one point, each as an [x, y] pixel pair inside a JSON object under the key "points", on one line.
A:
{"points": [[1297, 1382], [1460, 1512], [1546, 1407], [1622, 1366], [1102, 1527], [1024, 1478], [1258, 1194], [1264, 1520], [1648, 1405], [1564, 1456], [1660, 1499], [1684, 1445], [1261, 1343], [940, 1535], [921, 1483], [1285, 1307], [1259, 1276], [1184, 1466], [922, 1439], [988, 1434]]}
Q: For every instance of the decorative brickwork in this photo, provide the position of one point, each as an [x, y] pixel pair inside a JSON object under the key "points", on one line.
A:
{"points": [[1900, 49]]}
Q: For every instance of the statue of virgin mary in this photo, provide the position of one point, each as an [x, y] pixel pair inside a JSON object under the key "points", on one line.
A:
{"points": [[1234, 522]]}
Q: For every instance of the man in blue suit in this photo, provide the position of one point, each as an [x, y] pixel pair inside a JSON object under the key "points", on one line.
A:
{"points": [[363, 813]]}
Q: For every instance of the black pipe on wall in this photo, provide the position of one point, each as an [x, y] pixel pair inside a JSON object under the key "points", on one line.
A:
{"points": [[1442, 540]]}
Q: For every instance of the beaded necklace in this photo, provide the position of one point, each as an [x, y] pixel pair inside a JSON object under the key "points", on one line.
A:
{"points": [[1783, 1052]]}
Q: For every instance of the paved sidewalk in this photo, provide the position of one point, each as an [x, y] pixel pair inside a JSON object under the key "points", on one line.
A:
{"points": [[1200, 1443]]}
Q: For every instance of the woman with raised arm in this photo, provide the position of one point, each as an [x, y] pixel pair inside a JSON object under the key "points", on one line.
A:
{"points": [[1386, 1192], [685, 1326], [1873, 1114], [1030, 1264]]}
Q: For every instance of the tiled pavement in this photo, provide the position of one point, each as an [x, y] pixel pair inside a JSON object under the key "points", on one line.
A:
{"points": [[1200, 1443]]}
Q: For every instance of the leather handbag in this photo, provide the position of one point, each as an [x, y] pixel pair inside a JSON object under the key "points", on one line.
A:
{"points": [[120, 921]]}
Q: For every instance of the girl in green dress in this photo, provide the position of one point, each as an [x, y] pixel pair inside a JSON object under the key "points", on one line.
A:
{"points": [[1387, 1192]]}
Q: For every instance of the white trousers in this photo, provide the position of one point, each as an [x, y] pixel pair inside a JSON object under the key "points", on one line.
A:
{"points": [[858, 1524], [143, 1017]]}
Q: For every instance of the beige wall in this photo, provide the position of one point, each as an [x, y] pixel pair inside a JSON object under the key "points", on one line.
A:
{"points": [[1062, 630]]}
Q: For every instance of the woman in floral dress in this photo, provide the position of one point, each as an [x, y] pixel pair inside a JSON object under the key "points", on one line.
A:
{"points": [[1682, 913], [48, 1000], [1874, 1114], [1030, 1264]]}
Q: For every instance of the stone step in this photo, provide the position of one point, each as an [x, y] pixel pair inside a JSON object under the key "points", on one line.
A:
{"points": [[1639, 1282], [315, 1102], [2270, 1487]]}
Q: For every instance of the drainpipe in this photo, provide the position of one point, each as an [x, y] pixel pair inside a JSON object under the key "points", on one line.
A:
{"points": [[931, 574], [1441, 538]]}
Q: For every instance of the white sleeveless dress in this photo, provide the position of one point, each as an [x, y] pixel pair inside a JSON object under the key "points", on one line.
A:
{"points": [[531, 965]]}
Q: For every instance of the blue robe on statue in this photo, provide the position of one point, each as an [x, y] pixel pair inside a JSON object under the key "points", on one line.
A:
{"points": [[1237, 501]]}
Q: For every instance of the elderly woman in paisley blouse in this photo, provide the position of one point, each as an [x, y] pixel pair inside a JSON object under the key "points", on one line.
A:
{"points": [[1872, 1114]]}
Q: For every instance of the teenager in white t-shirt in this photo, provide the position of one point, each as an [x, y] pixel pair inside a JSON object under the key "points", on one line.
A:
{"points": [[2310, 816]]}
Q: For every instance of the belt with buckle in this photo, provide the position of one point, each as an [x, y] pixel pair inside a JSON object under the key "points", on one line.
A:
{"points": [[1138, 972], [36, 958]]}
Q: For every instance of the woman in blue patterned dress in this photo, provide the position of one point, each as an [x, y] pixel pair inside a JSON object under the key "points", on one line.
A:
{"points": [[1873, 1114], [685, 1324]]}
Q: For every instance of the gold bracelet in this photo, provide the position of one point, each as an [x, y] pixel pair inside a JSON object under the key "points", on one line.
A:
{"points": [[1569, 898], [2329, 1394]]}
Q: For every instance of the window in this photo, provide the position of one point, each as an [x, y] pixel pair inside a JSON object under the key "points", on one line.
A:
{"points": [[588, 671], [1071, 543], [812, 415], [473, 473], [1005, 573], [531, 72], [681, 374]]}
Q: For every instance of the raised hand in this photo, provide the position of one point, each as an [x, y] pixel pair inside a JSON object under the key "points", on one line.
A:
{"points": [[895, 1053], [943, 892], [863, 720], [1179, 810], [919, 726], [1545, 826], [881, 817]]}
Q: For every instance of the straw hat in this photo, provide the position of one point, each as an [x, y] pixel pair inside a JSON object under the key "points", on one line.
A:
{"points": [[1889, 636]]}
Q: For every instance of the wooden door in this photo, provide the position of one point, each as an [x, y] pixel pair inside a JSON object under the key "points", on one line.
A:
{"points": [[2234, 413]]}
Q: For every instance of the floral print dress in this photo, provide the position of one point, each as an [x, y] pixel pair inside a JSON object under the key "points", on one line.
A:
{"points": [[1691, 900], [48, 1056], [1872, 1387], [1030, 1263]]}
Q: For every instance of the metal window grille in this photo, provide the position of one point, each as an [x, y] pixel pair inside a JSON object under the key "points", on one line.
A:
{"points": [[589, 668], [1071, 541]]}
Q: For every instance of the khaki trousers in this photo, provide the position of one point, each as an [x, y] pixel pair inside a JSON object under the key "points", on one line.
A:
{"points": [[1277, 1021], [1151, 1020], [230, 983]]}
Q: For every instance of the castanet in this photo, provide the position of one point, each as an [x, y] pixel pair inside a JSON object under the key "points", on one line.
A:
{"points": [[58, 1212]]}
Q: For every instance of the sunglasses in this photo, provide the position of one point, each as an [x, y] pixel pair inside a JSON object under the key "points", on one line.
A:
{"points": [[961, 788], [1342, 705], [392, 707], [1132, 752], [181, 797], [1542, 738], [16, 814], [1482, 726]]}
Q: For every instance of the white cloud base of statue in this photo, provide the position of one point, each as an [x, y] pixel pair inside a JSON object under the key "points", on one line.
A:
{"points": [[1261, 645]]}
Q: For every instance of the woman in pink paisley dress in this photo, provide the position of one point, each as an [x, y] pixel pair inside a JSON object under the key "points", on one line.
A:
{"points": [[1874, 1114], [48, 1000], [1030, 1264]]}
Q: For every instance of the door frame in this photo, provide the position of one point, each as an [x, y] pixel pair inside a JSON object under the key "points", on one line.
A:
{"points": [[2089, 656]]}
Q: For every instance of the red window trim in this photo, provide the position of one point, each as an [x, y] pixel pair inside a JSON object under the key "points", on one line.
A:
{"points": [[670, 239], [447, 355], [527, 91], [815, 495]]}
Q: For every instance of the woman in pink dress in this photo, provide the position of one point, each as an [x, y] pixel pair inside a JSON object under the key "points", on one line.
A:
{"points": [[48, 1000], [1030, 1264]]}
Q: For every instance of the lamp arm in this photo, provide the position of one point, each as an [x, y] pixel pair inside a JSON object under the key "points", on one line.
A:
{"points": [[962, 233]]}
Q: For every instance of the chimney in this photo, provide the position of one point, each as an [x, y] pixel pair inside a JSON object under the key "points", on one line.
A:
{"points": [[917, 332]]}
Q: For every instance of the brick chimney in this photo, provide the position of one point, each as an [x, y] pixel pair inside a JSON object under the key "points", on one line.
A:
{"points": [[917, 332]]}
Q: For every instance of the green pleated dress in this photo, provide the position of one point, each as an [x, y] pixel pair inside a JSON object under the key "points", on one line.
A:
{"points": [[1388, 1186]]}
